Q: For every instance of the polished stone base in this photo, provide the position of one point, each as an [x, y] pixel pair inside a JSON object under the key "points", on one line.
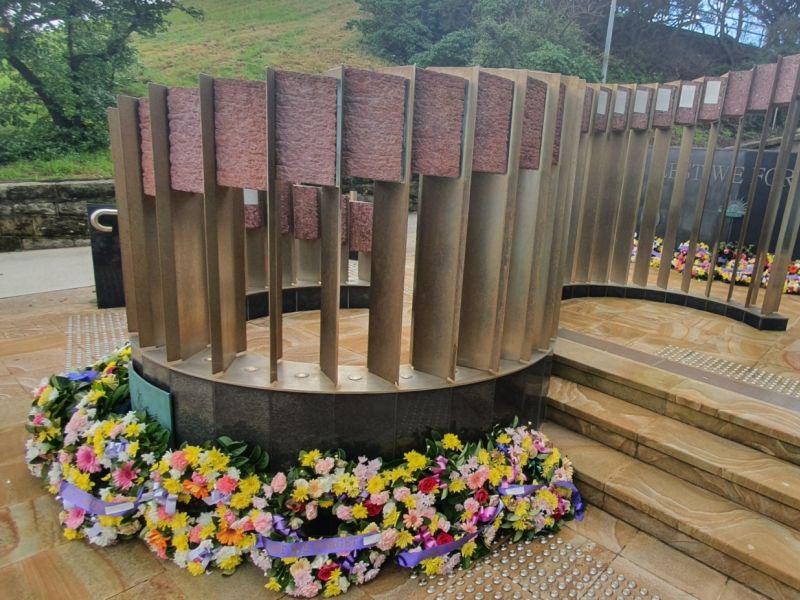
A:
{"points": [[384, 424], [748, 316]]}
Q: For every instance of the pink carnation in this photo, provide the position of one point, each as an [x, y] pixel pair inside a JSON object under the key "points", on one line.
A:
{"points": [[263, 523], [39, 419], [344, 513], [401, 493], [472, 505], [477, 478], [278, 483], [380, 499], [194, 534], [308, 589], [388, 539], [86, 460], [311, 511], [324, 465], [226, 484], [178, 460]]}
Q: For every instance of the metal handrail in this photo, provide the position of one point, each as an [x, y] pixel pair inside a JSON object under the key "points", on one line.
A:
{"points": [[94, 219]]}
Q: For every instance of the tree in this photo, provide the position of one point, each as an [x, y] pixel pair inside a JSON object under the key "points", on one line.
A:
{"points": [[781, 20], [72, 54]]}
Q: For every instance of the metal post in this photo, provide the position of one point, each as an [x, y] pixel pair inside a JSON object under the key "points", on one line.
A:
{"points": [[609, 32]]}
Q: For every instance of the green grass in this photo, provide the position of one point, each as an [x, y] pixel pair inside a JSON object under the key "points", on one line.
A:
{"points": [[235, 39], [80, 165]]}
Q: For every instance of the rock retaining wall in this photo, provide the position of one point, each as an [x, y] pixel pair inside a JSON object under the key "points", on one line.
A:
{"points": [[48, 215]]}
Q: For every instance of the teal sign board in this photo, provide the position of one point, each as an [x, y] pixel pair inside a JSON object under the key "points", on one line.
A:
{"points": [[153, 400]]}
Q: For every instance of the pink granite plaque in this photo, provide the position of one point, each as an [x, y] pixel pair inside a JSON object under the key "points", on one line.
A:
{"points": [[761, 89], [185, 140], [664, 111], [283, 191], [562, 97], [438, 123], [586, 117], [374, 125], [492, 123], [737, 93], [253, 216], [532, 124], [146, 139], [305, 128], [787, 79], [688, 103], [305, 210], [640, 112], [602, 110], [360, 226], [621, 108], [712, 99], [240, 125]]}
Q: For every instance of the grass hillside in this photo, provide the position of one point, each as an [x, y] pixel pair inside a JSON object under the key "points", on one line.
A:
{"points": [[236, 39]]}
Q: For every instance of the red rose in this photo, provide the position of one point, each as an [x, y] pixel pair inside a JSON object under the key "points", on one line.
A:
{"points": [[325, 571], [429, 484], [481, 496], [443, 538], [372, 509], [295, 506]]}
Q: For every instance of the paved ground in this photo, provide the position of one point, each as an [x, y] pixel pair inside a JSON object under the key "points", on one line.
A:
{"points": [[35, 271]]}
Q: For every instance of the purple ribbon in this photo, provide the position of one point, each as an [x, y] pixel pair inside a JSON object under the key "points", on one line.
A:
{"points": [[201, 555], [160, 496], [215, 497], [114, 449], [411, 559], [72, 495], [517, 490], [576, 498], [281, 525], [337, 545]]}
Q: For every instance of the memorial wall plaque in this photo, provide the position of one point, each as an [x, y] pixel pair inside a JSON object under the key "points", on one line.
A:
{"points": [[185, 140], [253, 216], [374, 112], [601, 114], [532, 124], [562, 98], [713, 99], [146, 142], [240, 133], [688, 103], [360, 226], [284, 193], [761, 88], [492, 123], [736, 93], [305, 212], [640, 113], [787, 77], [586, 116], [305, 128], [664, 113], [439, 101], [619, 114]]}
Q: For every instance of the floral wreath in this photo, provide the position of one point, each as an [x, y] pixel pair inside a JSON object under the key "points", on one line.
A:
{"points": [[538, 493], [446, 510], [330, 536]]}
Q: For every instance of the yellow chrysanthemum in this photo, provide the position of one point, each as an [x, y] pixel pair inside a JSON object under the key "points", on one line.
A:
{"points": [[415, 460], [468, 549], [300, 493], [332, 588], [133, 449], [375, 485], [107, 521], [548, 497], [450, 441], [347, 484], [72, 534], [241, 500], [273, 585], [230, 562], [192, 454], [551, 462], [173, 486], [180, 520], [495, 476], [360, 511], [390, 520], [433, 566], [181, 542], [484, 457], [195, 568], [250, 485], [404, 538], [208, 531], [309, 458], [503, 438], [457, 485], [134, 430]]}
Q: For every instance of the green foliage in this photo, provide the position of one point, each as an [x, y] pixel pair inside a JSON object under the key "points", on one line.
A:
{"points": [[62, 61], [248, 458], [94, 164]]}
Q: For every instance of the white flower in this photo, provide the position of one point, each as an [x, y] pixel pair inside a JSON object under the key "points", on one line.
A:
{"points": [[149, 458]]}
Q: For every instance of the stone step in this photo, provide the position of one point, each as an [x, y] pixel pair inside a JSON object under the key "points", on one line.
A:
{"points": [[747, 546], [772, 429], [742, 474]]}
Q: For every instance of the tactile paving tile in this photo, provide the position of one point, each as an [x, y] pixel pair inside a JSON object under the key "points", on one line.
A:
{"points": [[733, 370], [546, 568], [92, 336]]}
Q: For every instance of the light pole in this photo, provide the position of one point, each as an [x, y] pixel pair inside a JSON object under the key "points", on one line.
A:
{"points": [[609, 32]]}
